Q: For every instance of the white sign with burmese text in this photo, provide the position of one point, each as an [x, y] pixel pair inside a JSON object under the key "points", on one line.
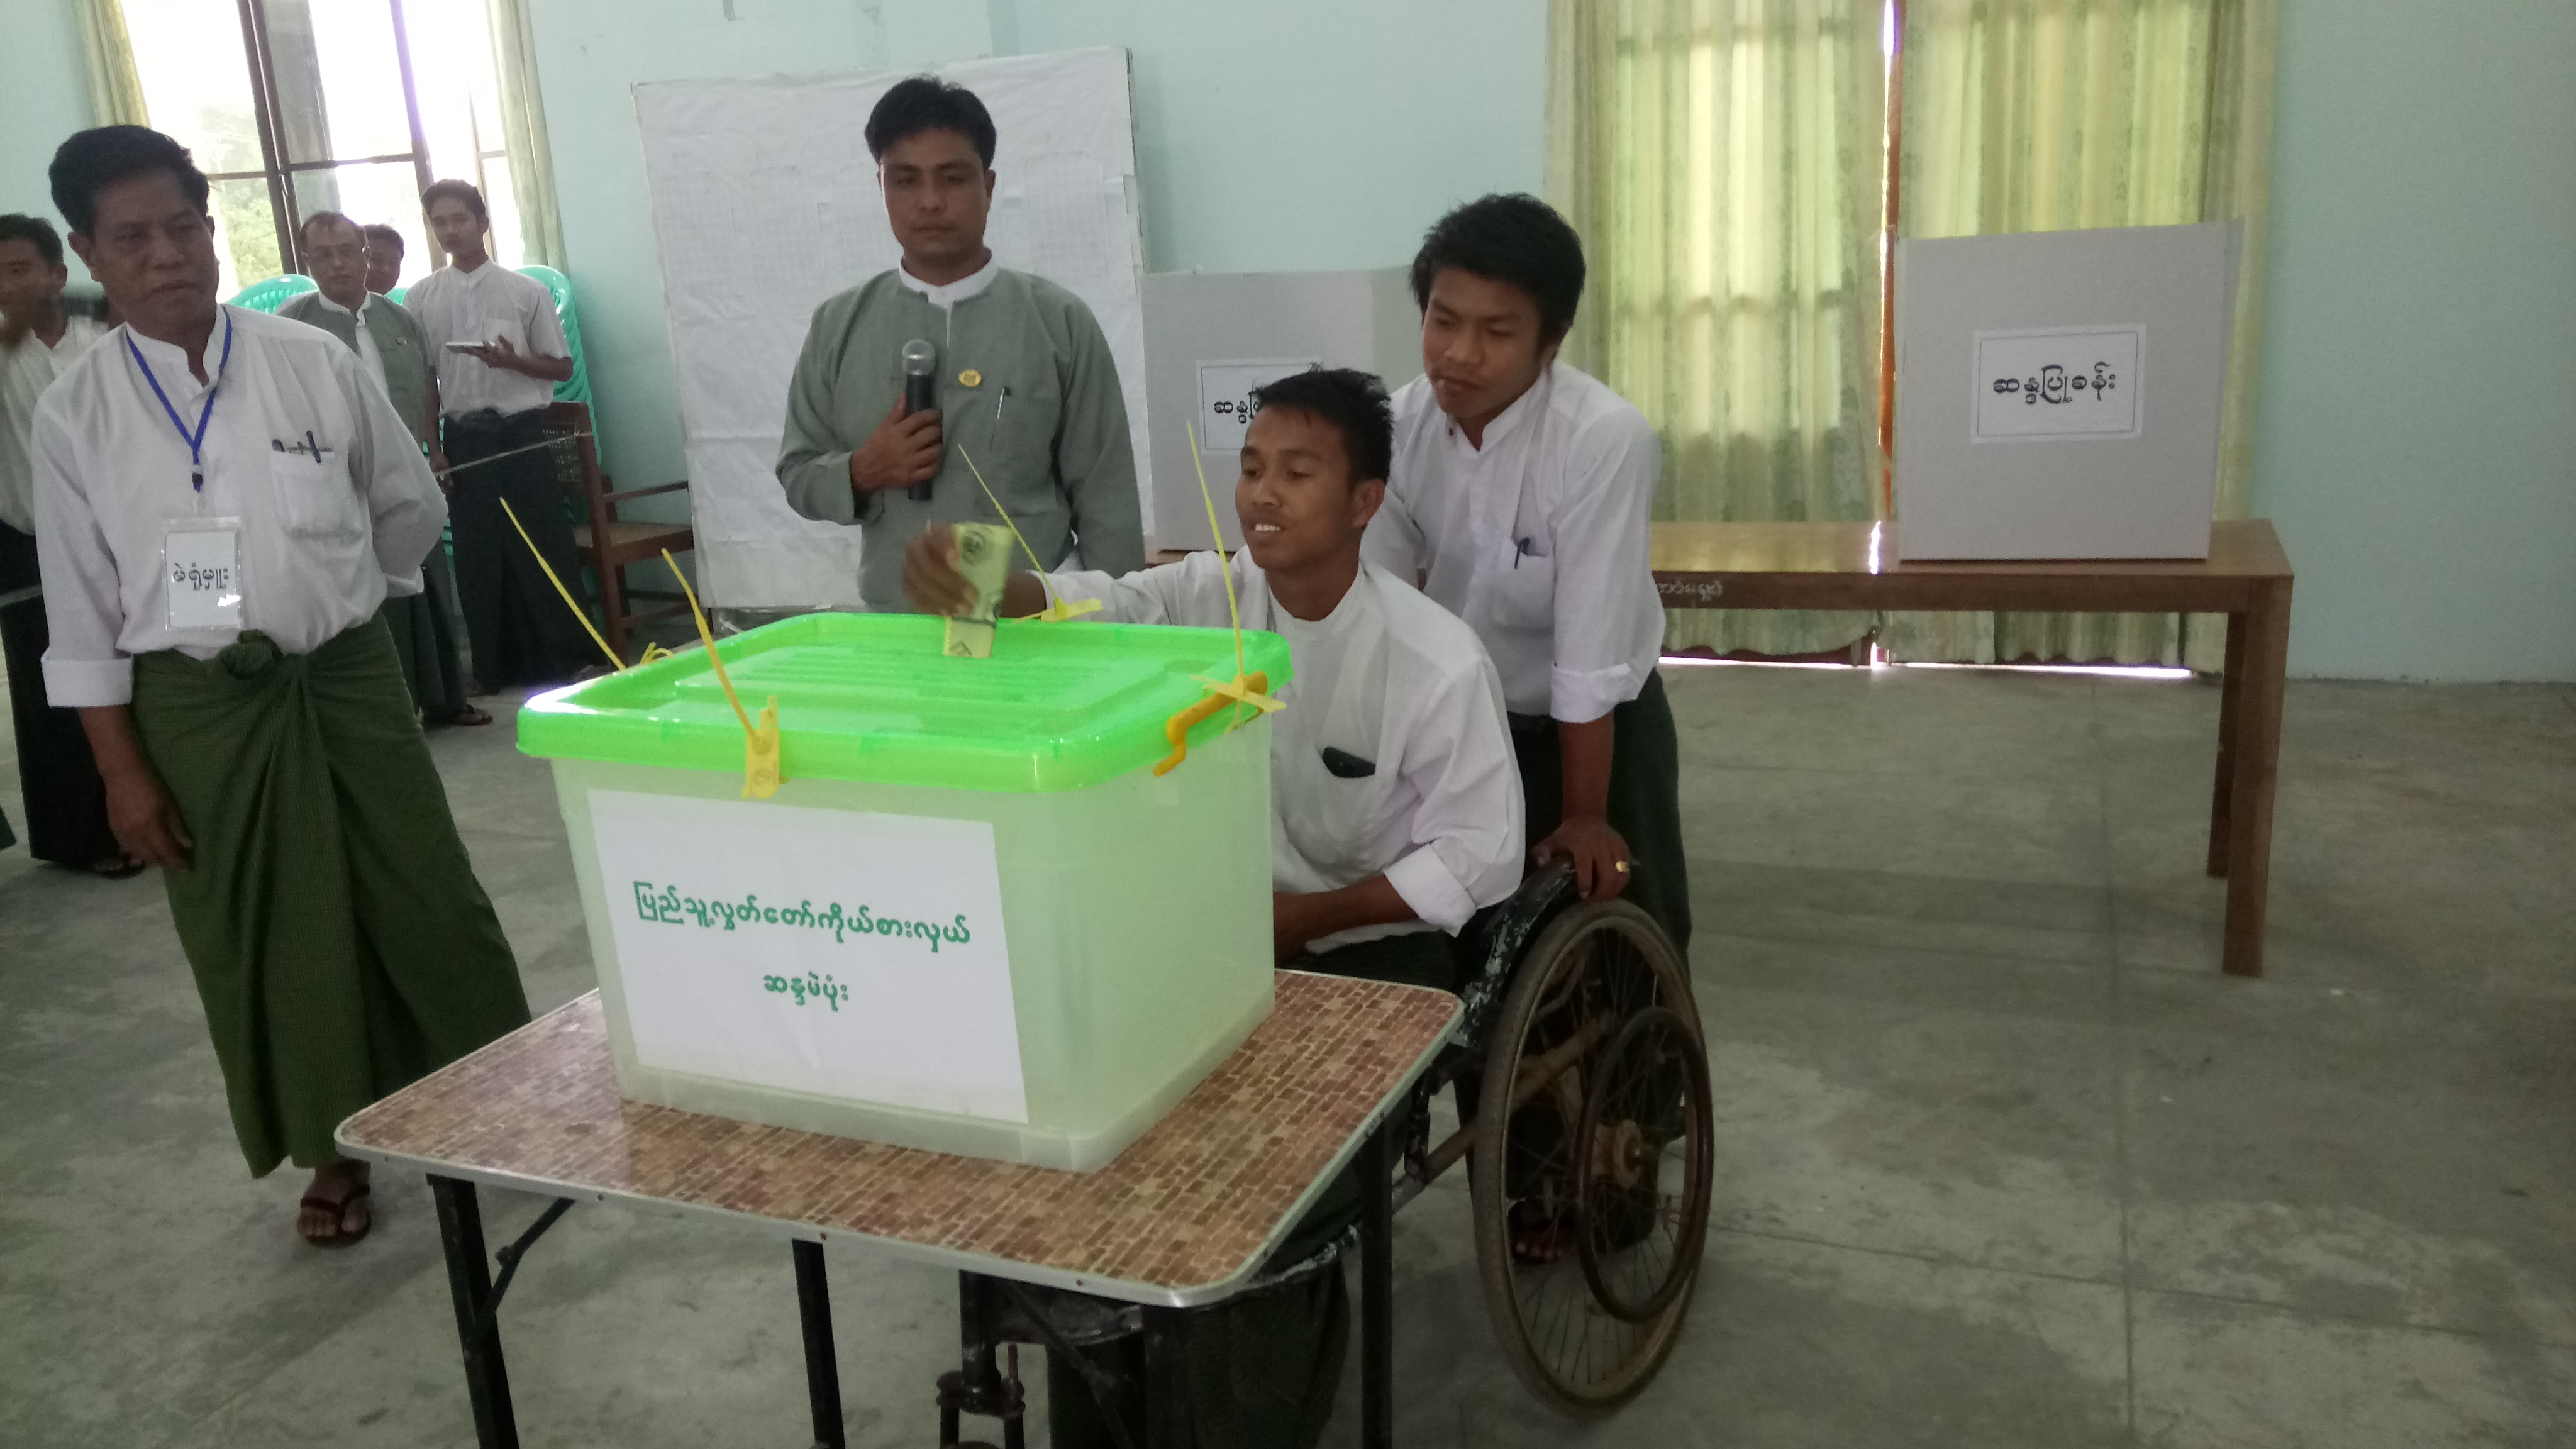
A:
{"points": [[841, 953]]}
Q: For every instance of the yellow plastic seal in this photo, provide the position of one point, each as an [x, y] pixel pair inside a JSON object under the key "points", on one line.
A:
{"points": [[970, 378], [761, 774]]}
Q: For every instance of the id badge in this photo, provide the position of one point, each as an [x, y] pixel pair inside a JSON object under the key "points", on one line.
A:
{"points": [[202, 562]]}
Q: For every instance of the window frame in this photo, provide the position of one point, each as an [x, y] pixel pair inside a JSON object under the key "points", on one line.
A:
{"points": [[277, 173]]}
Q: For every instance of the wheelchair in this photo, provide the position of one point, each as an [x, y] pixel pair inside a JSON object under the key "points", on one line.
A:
{"points": [[1581, 1080]]}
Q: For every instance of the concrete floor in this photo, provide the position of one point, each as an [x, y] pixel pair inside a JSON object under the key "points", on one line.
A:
{"points": [[2003, 1160]]}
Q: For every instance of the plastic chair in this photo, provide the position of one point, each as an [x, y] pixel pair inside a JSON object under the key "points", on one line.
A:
{"points": [[272, 294]]}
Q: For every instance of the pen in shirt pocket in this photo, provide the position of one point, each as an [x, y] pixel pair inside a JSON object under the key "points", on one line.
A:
{"points": [[998, 399], [1520, 550]]}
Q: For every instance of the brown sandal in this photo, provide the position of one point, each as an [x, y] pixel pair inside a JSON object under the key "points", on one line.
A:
{"points": [[340, 1237]]}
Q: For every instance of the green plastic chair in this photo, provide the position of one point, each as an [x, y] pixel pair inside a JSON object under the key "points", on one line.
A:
{"points": [[575, 388], [270, 295]]}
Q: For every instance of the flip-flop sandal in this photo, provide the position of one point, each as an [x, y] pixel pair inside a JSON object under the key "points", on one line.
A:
{"points": [[340, 1237], [117, 867], [467, 717]]}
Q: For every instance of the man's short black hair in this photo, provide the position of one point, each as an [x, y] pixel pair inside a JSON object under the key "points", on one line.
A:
{"points": [[927, 103], [95, 159], [1518, 240], [380, 235], [304, 233], [1354, 402], [36, 232], [463, 191]]}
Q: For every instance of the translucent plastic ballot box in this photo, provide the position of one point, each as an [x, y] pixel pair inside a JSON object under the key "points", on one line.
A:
{"points": [[974, 919]]}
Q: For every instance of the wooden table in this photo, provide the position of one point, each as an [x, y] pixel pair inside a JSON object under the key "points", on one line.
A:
{"points": [[1187, 1215], [1852, 566]]}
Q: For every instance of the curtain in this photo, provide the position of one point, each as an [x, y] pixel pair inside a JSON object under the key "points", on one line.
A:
{"points": [[2043, 115], [115, 91], [1722, 161], [523, 133]]}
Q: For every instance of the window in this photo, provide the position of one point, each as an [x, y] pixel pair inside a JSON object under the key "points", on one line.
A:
{"points": [[297, 106]]}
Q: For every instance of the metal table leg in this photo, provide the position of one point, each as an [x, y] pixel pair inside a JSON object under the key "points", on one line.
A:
{"points": [[469, 1281], [822, 1363], [1377, 1285]]}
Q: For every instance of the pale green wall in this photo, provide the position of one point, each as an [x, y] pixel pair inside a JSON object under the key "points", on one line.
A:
{"points": [[44, 96], [1313, 136], [2416, 434]]}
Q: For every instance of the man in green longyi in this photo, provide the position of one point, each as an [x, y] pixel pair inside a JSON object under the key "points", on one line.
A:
{"points": [[223, 501]]}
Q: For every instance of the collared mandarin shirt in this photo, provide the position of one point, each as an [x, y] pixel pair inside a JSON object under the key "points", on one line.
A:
{"points": [[1390, 681], [26, 370], [485, 305], [336, 505], [1538, 538]]}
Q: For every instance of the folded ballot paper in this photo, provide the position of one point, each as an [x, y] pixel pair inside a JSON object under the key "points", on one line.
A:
{"points": [[984, 557]]}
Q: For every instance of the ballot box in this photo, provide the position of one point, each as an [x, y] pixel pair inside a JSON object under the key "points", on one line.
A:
{"points": [[973, 919]]}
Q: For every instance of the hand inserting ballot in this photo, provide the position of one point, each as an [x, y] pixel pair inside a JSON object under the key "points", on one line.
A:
{"points": [[935, 584]]}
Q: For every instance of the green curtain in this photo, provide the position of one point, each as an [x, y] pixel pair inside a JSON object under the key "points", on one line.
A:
{"points": [[523, 133], [115, 91], [1723, 162], [2045, 115]]}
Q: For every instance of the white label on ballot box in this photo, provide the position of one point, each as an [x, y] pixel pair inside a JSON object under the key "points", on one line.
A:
{"points": [[2058, 382], [846, 954]]}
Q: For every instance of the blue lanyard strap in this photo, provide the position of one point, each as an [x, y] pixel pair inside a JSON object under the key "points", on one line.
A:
{"points": [[195, 441]]}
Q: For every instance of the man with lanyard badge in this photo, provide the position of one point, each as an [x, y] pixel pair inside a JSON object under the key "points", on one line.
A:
{"points": [[1018, 373], [1520, 496], [223, 500]]}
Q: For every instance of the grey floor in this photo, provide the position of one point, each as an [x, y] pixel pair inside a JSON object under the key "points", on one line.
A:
{"points": [[2003, 1160]]}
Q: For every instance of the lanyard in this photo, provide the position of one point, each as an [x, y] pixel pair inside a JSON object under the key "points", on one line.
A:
{"points": [[195, 442]]}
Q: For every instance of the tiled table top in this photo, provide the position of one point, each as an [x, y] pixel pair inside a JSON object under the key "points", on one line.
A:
{"points": [[1182, 1216]]}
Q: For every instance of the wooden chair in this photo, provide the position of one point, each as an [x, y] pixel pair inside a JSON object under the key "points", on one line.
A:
{"points": [[608, 543]]}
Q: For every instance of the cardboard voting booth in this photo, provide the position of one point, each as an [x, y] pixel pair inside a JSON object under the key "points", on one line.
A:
{"points": [[975, 918], [1212, 337], [2058, 393]]}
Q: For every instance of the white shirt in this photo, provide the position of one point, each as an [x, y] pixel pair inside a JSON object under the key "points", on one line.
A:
{"points": [[1389, 678], [1538, 540], [486, 305], [26, 370], [328, 529], [369, 354]]}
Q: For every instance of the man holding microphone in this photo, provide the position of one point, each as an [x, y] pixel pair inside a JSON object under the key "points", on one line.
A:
{"points": [[1016, 371]]}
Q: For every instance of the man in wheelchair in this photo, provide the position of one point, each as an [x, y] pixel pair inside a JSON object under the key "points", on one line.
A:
{"points": [[1396, 814]]}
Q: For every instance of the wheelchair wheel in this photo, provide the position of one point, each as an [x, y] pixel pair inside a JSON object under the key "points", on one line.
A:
{"points": [[1592, 1148]]}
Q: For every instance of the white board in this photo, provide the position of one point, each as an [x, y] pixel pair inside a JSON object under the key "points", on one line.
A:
{"points": [[837, 952], [765, 203]]}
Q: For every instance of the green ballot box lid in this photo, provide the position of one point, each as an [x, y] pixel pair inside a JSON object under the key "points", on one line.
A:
{"points": [[871, 697]]}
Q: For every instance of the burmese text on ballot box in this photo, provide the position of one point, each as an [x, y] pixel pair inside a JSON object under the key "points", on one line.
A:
{"points": [[974, 919]]}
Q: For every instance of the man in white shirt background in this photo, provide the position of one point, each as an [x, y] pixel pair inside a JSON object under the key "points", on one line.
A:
{"points": [[1521, 495], [500, 350], [1395, 815], [223, 500], [391, 346], [66, 801]]}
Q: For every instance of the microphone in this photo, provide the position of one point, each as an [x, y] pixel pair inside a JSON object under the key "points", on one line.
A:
{"points": [[920, 394]]}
